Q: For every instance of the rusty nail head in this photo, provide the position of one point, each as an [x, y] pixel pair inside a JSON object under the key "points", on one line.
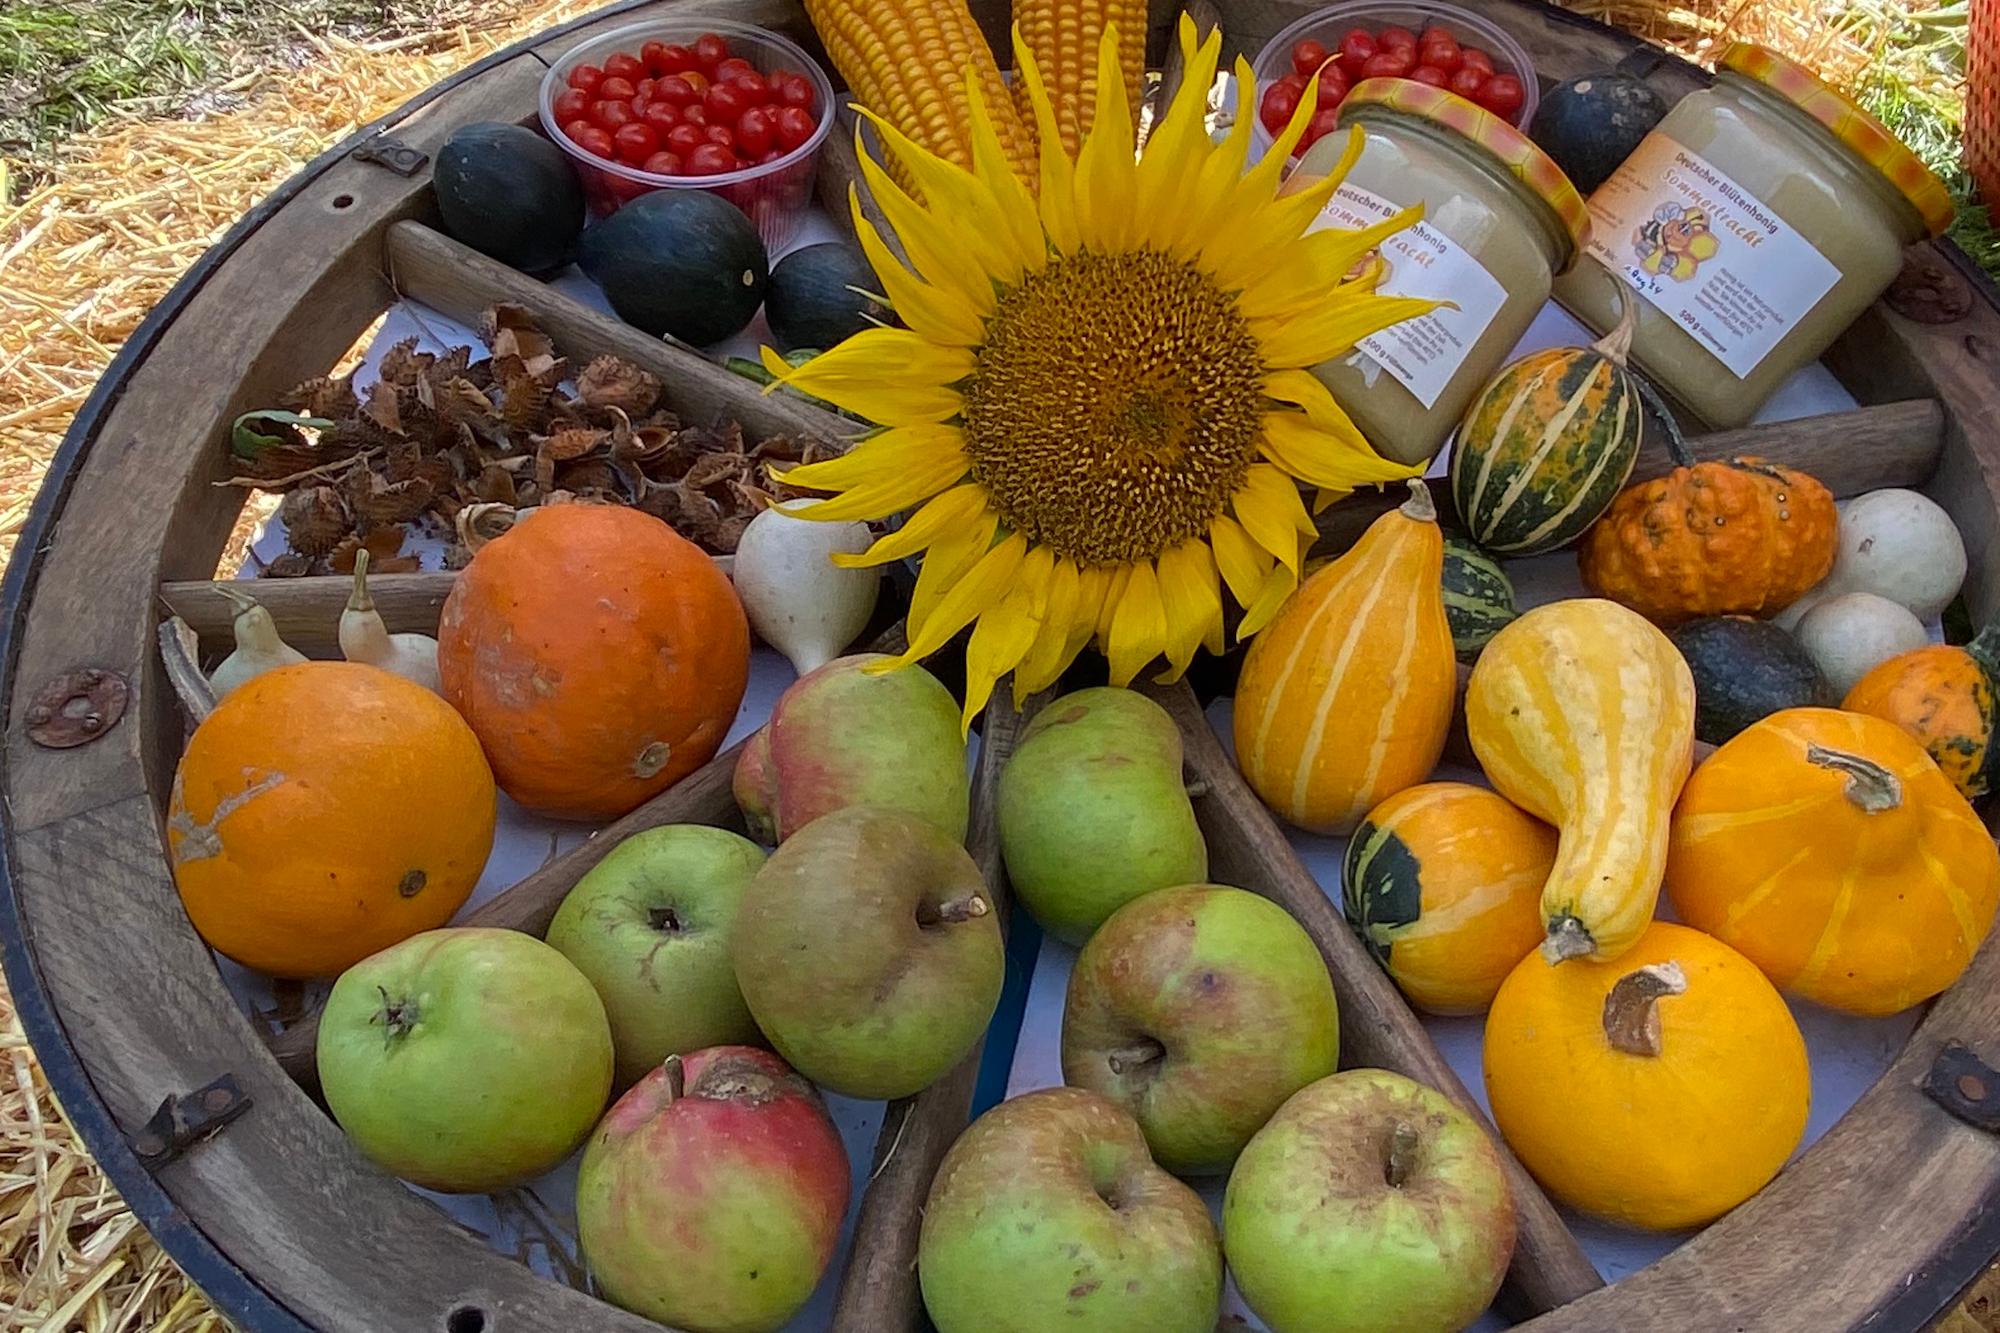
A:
{"points": [[76, 707], [1971, 1087], [217, 1099], [149, 1145]]}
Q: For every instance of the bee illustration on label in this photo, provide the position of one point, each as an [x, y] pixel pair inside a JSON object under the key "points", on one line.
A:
{"points": [[1674, 241]]}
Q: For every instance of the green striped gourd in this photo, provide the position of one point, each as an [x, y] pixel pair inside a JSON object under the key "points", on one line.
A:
{"points": [[1478, 597], [1548, 444]]}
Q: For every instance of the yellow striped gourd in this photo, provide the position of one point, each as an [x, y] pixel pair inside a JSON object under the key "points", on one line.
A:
{"points": [[1582, 714], [1346, 695], [1548, 444]]}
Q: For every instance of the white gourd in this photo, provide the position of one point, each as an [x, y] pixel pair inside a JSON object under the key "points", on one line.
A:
{"points": [[1896, 544], [365, 637], [259, 646], [1849, 635], [798, 600]]}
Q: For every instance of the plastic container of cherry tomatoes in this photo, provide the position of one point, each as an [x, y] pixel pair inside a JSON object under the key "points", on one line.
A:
{"points": [[774, 195], [1327, 27]]}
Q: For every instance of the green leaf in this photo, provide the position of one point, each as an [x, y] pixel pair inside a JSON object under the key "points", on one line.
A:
{"points": [[246, 441]]}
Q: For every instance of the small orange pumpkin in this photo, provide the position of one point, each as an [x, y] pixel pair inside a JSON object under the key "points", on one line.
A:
{"points": [[1831, 851], [1735, 537], [325, 811], [1944, 697], [1659, 1090], [599, 655]]}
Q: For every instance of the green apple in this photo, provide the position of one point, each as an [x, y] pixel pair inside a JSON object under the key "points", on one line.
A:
{"points": [[712, 1195], [1093, 810], [650, 926], [842, 736], [1199, 1009], [1368, 1202], [868, 951], [465, 1059], [1048, 1214]]}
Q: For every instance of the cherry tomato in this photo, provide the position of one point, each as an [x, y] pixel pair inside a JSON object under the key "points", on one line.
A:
{"points": [[675, 90], [586, 77], [616, 89], [732, 69], [648, 86], [724, 102], [572, 128], [653, 55], [721, 134], [1441, 52], [1332, 86], [710, 51], [676, 59], [663, 164], [1476, 59], [1297, 83], [1501, 95], [1355, 48], [755, 132], [685, 138], [711, 159], [571, 104], [1307, 57], [1324, 122], [623, 66], [636, 142], [697, 114], [662, 116], [625, 191], [1396, 36], [611, 114], [697, 81], [794, 125], [753, 87], [1430, 74], [1390, 63], [1276, 107], [794, 90], [1466, 81], [765, 159], [592, 139]]}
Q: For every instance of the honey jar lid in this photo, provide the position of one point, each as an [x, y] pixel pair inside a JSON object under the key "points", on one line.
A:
{"points": [[1516, 151], [1868, 138]]}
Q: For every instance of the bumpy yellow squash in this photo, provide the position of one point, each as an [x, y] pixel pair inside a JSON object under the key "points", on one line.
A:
{"points": [[1346, 696], [1582, 713]]}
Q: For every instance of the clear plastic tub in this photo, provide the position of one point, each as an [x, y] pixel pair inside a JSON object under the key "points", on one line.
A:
{"points": [[774, 196], [1328, 25]]}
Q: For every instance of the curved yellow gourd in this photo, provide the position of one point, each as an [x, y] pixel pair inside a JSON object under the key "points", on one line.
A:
{"points": [[1346, 696], [1582, 713]]}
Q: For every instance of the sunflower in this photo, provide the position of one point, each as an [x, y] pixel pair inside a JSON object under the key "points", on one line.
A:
{"points": [[1100, 413]]}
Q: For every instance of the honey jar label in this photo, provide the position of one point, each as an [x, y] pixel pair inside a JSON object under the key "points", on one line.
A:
{"points": [[1706, 252], [1421, 354]]}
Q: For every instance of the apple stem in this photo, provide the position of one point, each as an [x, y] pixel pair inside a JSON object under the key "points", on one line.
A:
{"points": [[398, 1016], [676, 1080], [1130, 1059], [1402, 1153], [1632, 1010], [953, 910]]}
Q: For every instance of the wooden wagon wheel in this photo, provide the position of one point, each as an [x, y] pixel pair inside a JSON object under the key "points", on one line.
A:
{"points": [[286, 1227]]}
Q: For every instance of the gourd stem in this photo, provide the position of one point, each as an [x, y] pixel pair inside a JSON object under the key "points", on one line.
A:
{"points": [[1677, 445], [1616, 345], [1984, 650], [1419, 506], [1631, 1010], [358, 600], [676, 1079], [1403, 1144], [1567, 939], [1869, 785], [239, 601]]}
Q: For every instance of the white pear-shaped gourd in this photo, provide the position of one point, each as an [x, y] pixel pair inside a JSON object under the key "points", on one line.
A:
{"points": [[365, 638], [259, 646], [798, 600]]}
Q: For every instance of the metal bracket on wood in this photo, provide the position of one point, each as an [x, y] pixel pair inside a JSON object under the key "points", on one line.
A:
{"points": [[385, 151], [186, 1119], [1966, 1086], [77, 707]]}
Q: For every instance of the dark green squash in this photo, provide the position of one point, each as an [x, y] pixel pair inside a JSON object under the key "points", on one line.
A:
{"points": [[1478, 597], [509, 193], [1745, 670], [1591, 124], [819, 296], [681, 264]]}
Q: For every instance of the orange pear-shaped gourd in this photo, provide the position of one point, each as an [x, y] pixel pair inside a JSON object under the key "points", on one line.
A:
{"points": [[1346, 696]]}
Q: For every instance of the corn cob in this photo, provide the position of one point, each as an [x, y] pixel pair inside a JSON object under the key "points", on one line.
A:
{"points": [[905, 60], [1062, 36]]}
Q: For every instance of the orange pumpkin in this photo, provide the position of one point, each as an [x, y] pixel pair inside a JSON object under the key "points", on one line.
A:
{"points": [[599, 655], [325, 811], [1831, 851], [1734, 537]]}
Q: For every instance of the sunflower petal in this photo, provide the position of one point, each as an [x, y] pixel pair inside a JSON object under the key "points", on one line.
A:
{"points": [[1270, 599], [980, 588], [1316, 263], [1019, 225], [1178, 143], [1006, 633], [928, 310], [1306, 391], [932, 243], [939, 516], [1241, 561], [956, 200], [1057, 198], [1115, 579], [893, 376], [1270, 510], [1139, 625], [1105, 167], [1192, 601], [1047, 660], [1331, 328], [947, 561], [1324, 459], [1092, 583], [1210, 203], [883, 475]]}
